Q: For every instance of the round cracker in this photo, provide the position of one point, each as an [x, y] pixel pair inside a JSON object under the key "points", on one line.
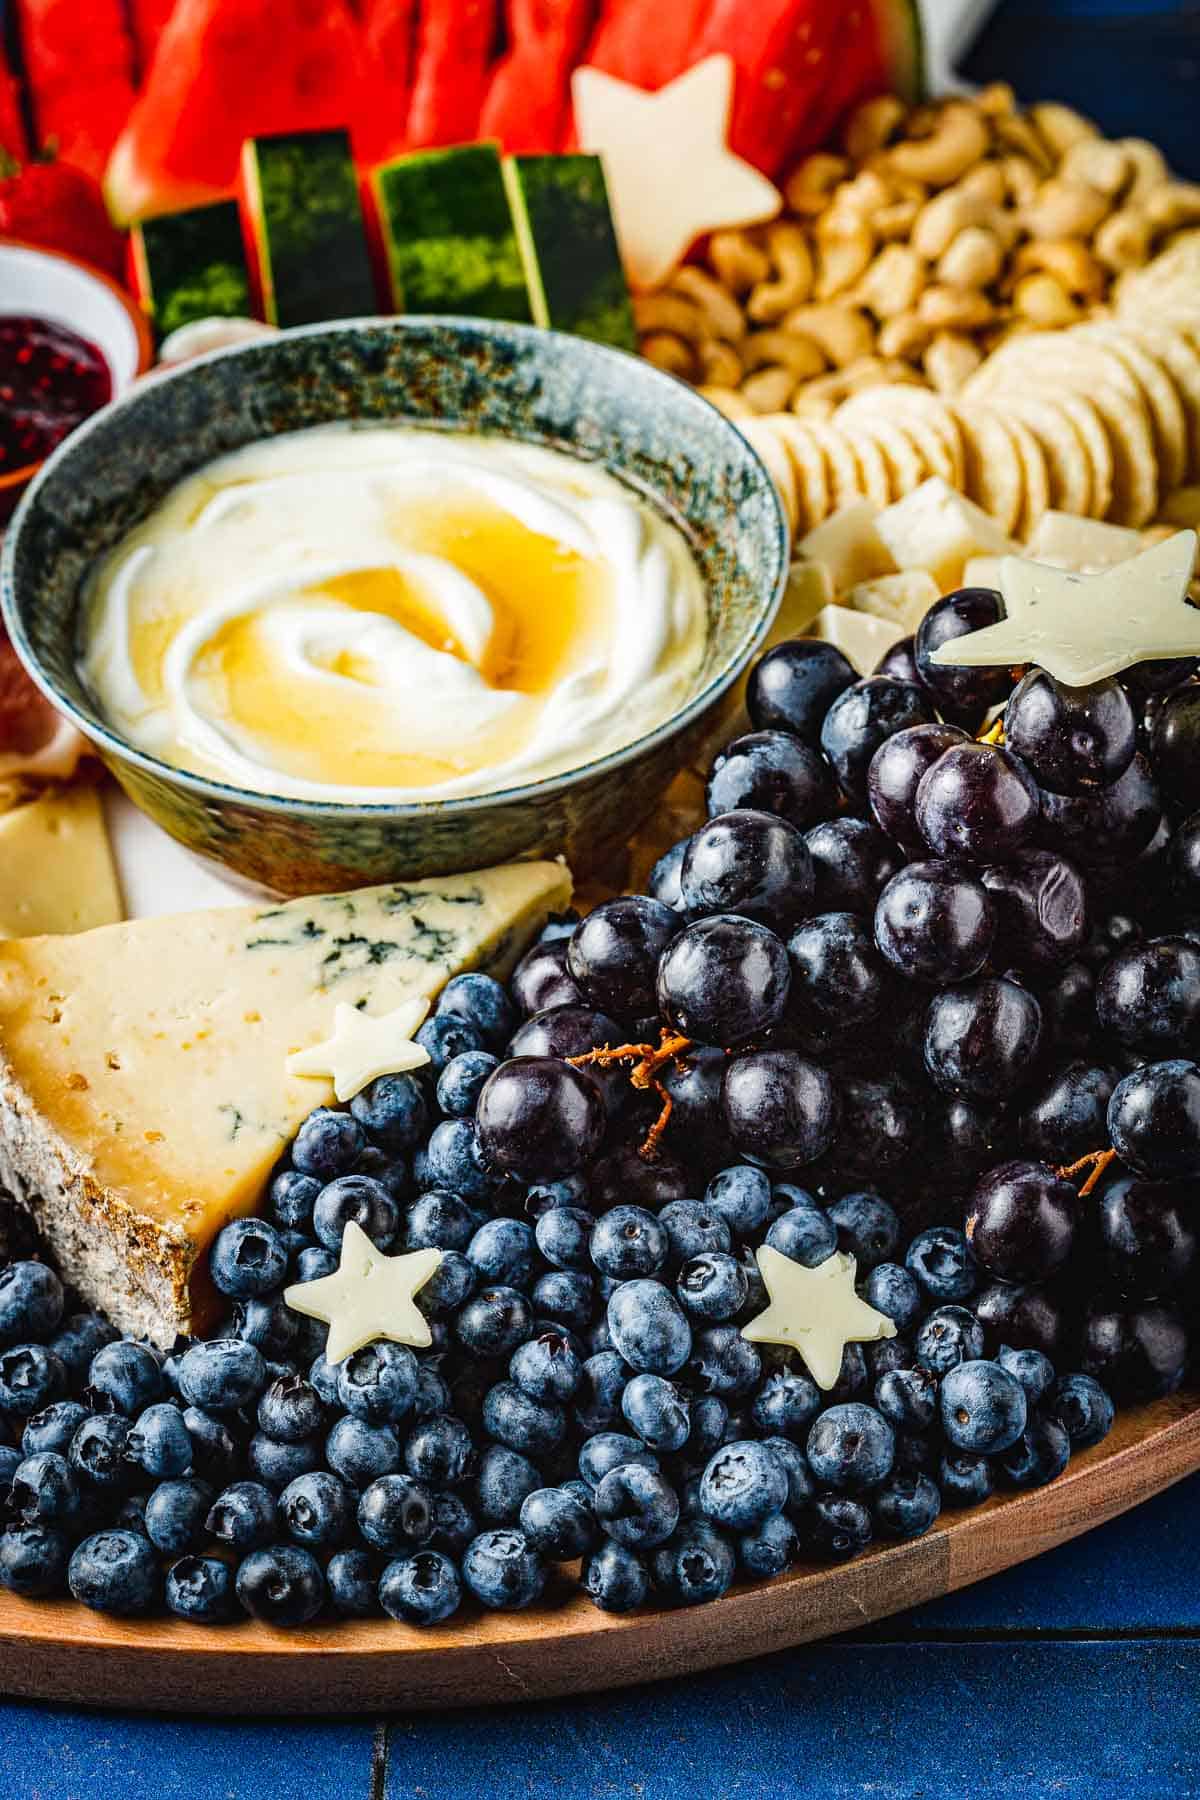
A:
{"points": [[840, 464], [762, 437], [926, 418], [1093, 432], [1068, 467], [1160, 394], [993, 473], [873, 471], [808, 466], [1034, 474], [905, 467], [1177, 356]]}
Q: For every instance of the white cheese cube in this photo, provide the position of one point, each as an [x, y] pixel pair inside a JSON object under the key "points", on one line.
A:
{"points": [[935, 528]]}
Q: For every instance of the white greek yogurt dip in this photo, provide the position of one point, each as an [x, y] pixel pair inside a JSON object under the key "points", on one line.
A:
{"points": [[381, 614]]}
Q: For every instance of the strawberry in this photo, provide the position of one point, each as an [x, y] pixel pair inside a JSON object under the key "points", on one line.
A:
{"points": [[52, 204]]}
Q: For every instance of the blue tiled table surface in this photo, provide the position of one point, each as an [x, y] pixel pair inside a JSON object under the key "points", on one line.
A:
{"points": [[1077, 1674]]}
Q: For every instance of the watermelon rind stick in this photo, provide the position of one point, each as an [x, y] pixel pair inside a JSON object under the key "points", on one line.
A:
{"points": [[564, 226]]}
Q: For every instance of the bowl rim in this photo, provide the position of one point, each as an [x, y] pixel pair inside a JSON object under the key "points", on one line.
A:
{"points": [[208, 788], [137, 318]]}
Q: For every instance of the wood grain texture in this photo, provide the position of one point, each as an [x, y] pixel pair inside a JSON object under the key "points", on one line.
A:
{"points": [[55, 1650]]}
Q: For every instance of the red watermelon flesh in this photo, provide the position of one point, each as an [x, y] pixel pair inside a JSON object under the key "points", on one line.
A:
{"points": [[647, 42], [79, 64], [227, 70], [528, 96], [390, 40], [13, 143], [781, 51], [149, 20], [454, 55]]}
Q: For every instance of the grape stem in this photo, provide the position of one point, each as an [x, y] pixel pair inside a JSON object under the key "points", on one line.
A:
{"points": [[994, 733], [646, 1060], [1095, 1160]]}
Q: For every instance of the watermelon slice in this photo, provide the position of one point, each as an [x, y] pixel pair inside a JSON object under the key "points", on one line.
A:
{"points": [[449, 234], [390, 39], [454, 52], [14, 144], [304, 227], [569, 248], [225, 71], [148, 19], [527, 101], [646, 42], [79, 66], [191, 265]]}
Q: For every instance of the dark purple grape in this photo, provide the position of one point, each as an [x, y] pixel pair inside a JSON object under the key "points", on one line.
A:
{"points": [[851, 861], [977, 802], [881, 1120], [1040, 902], [566, 1031], [793, 686], [900, 661], [1147, 1238], [961, 694], [1149, 997], [539, 1118], [749, 863], [614, 952], [663, 881], [1021, 1221], [779, 1109], [773, 772], [935, 922], [1022, 1316], [541, 978], [625, 1178], [1072, 738], [895, 772], [724, 980], [1175, 746], [981, 1040], [1185, 861], [693, 1084], [960, 1137], [1107, 825], [1139, 1354], [1069, 1007], [863, 718], [836, 970], [1154, 1120], [1068, 1116]]}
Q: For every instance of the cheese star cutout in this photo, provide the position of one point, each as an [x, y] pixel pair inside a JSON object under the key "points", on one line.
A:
{"points": [[362, 1048], [815, 1311], [670, 173], [368, 1296], [1080, 628]]}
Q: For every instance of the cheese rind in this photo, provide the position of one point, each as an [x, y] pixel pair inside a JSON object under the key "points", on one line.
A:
{"points": [[144, 1093], [56, 867]]}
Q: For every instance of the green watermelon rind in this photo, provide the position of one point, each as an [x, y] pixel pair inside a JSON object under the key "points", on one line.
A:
{"points": [[564, 226], [304, 212], [449, 235], [191, 265], [902, 45]]}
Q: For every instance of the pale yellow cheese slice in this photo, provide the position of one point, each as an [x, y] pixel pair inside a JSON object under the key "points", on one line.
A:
{"points": [[56, 867], [144, 1092]]}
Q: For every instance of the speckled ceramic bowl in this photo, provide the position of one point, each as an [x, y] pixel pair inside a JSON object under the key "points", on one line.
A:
{"points": [[516, 381]]}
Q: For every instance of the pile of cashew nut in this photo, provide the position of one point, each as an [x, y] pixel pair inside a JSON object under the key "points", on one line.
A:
{"points": [[928, 237]]}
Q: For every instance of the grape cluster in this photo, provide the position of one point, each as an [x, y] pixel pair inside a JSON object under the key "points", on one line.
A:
{"points": [[924, 988]]}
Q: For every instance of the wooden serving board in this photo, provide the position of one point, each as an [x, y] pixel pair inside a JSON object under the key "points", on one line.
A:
{"points": [[55, 1650]]}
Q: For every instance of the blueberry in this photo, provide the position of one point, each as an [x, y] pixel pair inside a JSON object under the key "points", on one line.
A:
{"points": [[244, 1516], [950, 1335], [201, 1589], [115, 1572], [907, 1398], [33, 1561], [562, 1235], [713, 1286], [892, 1291], [740, 1195], [792, 1460], [906, 1506], [359, 1453], [447, 1035], [852, 1376], [805, 1234], [598, 1400], [505, 1478], [502, 1570], [786, 1403], [693, 1566], [454, 1524], [547, 1367], [851, 1448], [627, 1242], [963, 1478], [502, 1251], [78, 1339], [214, 1453], [453, 1159], [97, 1452], [290, 1198], [836, 1528], [770, 1548], [379, 1382], [637, 1506], [315, 1262], [615, 1578], [450, 1286], [692, 1230], [396, 1513], [420, 1590], [281, 1585], [394, 1110], [276, 1464], [722, 1362], [494, 1322], [389, 1169], [887, 1355], [461, 1082], [941, 1260], [482, 1000], [743, 1484], [1040, 1454], [247, 1258], [1082, 1408], [440, 1220], [31, 1302], [43, 1490], [658, 1411], [290, 1410], [649, 1328], [31, 1377], [271, 1326], [221, 1374], [983, 1407], [606, 1450], [565, 1297], [350, 1579], [358, 1198], [439, 1450], [868, 1229], [160, 1443], [54, 1427], [1032, 1369], [513, 1418], [175, 1515], [558, 1524], [328, 1144]]}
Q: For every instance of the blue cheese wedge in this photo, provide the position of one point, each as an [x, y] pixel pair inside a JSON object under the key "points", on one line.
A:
{"points": [[144, 1089]]}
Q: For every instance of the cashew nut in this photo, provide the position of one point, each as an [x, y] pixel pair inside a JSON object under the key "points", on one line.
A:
{"points": [[811, 182], [1176, 204], [986, 181], [1044, 301], [720, 364], [844, 249], [737, 260], [1061, 126], [954, 309], [1062, 209], [668, 352], [1149, 167], [872, 125], [958, 139], [1070, 262], [791, 349], [895, 222], [1123, 241], [1096, 164], [726, 400], [893, 281], [1015, 132], [941, 219], [670, 312], [843, 333], [864, 195], [996, 100], [972, 260], [769, 390], [950, 360], [1021, 178], [793, 280], [906, 335], [720, 310]]}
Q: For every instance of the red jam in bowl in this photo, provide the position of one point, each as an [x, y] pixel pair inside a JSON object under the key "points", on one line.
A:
{"points": [[50, 380]]}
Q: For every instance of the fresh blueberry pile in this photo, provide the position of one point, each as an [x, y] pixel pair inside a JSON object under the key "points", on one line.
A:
{"points": [[919, 991]]}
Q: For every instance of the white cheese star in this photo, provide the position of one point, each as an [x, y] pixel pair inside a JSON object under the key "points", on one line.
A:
{"points": [[670, 174], [368, 1296], [1081, 628], [815, 1311], [362, 1048]]}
